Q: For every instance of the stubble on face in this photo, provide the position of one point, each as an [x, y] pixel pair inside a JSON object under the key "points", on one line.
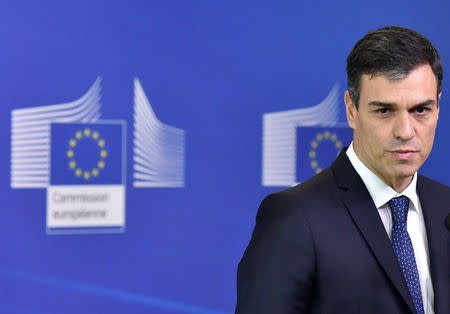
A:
{"points": [[395, 123]]}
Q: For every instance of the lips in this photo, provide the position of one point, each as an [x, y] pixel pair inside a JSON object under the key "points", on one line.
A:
{"points": [[404, 154]]}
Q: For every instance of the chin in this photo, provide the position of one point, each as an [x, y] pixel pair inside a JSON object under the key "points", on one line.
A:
{"points": [[405, 171]]}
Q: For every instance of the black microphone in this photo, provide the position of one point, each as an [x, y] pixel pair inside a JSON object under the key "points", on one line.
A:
{"points": [[447, 222]]}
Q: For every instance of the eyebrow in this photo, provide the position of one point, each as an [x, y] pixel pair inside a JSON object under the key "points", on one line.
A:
{"points": [[428, 102]]}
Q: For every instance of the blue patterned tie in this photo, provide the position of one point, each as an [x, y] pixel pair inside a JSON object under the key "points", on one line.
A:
{"points": [[403, 249]]}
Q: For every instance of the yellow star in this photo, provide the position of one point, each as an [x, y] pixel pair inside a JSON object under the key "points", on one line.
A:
{"points": [[318, 170], [72, 142], [314, 144], [95, 135], [101, 164], [95, 172], [326, 134], [87, 175], [312, 154], [87, 132], [78, 135], [101, 143], [333, 137], [103, 153], [70, 153], [319, 137], [338, 144], [313, 164], [72, 164], [78, 172]]}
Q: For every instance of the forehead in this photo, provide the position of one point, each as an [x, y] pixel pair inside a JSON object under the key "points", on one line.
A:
{"points": [[419, 85]]}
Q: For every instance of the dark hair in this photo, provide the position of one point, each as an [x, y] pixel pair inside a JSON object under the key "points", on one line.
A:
{"points": [[394, 52]]}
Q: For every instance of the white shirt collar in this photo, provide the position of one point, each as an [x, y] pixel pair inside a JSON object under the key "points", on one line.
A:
{"points": [[380, 192]]}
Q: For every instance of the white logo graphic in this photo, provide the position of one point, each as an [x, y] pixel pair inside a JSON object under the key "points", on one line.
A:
{"points": [[81, 160], [158, 147], [30, 136], [279, 160]]}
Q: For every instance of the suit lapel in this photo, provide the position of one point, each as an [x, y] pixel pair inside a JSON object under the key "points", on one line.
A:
{"points": [[359, 204], [435, 209]]}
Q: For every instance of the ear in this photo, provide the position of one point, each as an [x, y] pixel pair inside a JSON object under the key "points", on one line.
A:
{"points": [[350, 110]]}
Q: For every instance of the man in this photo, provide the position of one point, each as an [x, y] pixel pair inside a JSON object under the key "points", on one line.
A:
{"points": [[366, 235]]}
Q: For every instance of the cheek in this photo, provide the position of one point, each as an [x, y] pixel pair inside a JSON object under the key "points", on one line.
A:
{"points": [[425, 132], [363, 130], [427, 141], [374, 138]]}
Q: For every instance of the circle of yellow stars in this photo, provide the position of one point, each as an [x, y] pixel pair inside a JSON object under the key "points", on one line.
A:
{"points": [[86, 174], [320, 137]]}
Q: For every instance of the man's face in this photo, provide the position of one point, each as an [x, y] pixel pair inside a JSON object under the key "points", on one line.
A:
{"points": [[394, 124]]}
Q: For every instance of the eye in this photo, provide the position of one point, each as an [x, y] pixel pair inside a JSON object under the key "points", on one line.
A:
{"points": [[383, 110], [422, 110]]}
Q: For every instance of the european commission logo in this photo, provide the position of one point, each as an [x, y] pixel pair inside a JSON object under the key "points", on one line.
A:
{"points": [[300, 143], [87, 153], [87, 177], [317, 147], [80, 159]]}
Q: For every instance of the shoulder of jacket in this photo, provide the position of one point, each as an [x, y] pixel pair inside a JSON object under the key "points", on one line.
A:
{"points": [[432, 184], [298, 198]]}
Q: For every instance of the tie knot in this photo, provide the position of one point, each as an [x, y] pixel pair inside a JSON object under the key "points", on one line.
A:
{"points": [[399, 206]]}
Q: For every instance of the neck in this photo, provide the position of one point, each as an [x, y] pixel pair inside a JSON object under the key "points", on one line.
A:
{"points": [[399, 185]]}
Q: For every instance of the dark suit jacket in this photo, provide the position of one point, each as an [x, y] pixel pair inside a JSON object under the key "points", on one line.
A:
{"points": [[321, 247]]}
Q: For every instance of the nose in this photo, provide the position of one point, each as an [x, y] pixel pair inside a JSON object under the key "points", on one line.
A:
{"points": [[404, 127]]}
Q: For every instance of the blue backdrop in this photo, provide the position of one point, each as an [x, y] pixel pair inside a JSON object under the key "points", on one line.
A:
{"points": [[209, 68]]}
